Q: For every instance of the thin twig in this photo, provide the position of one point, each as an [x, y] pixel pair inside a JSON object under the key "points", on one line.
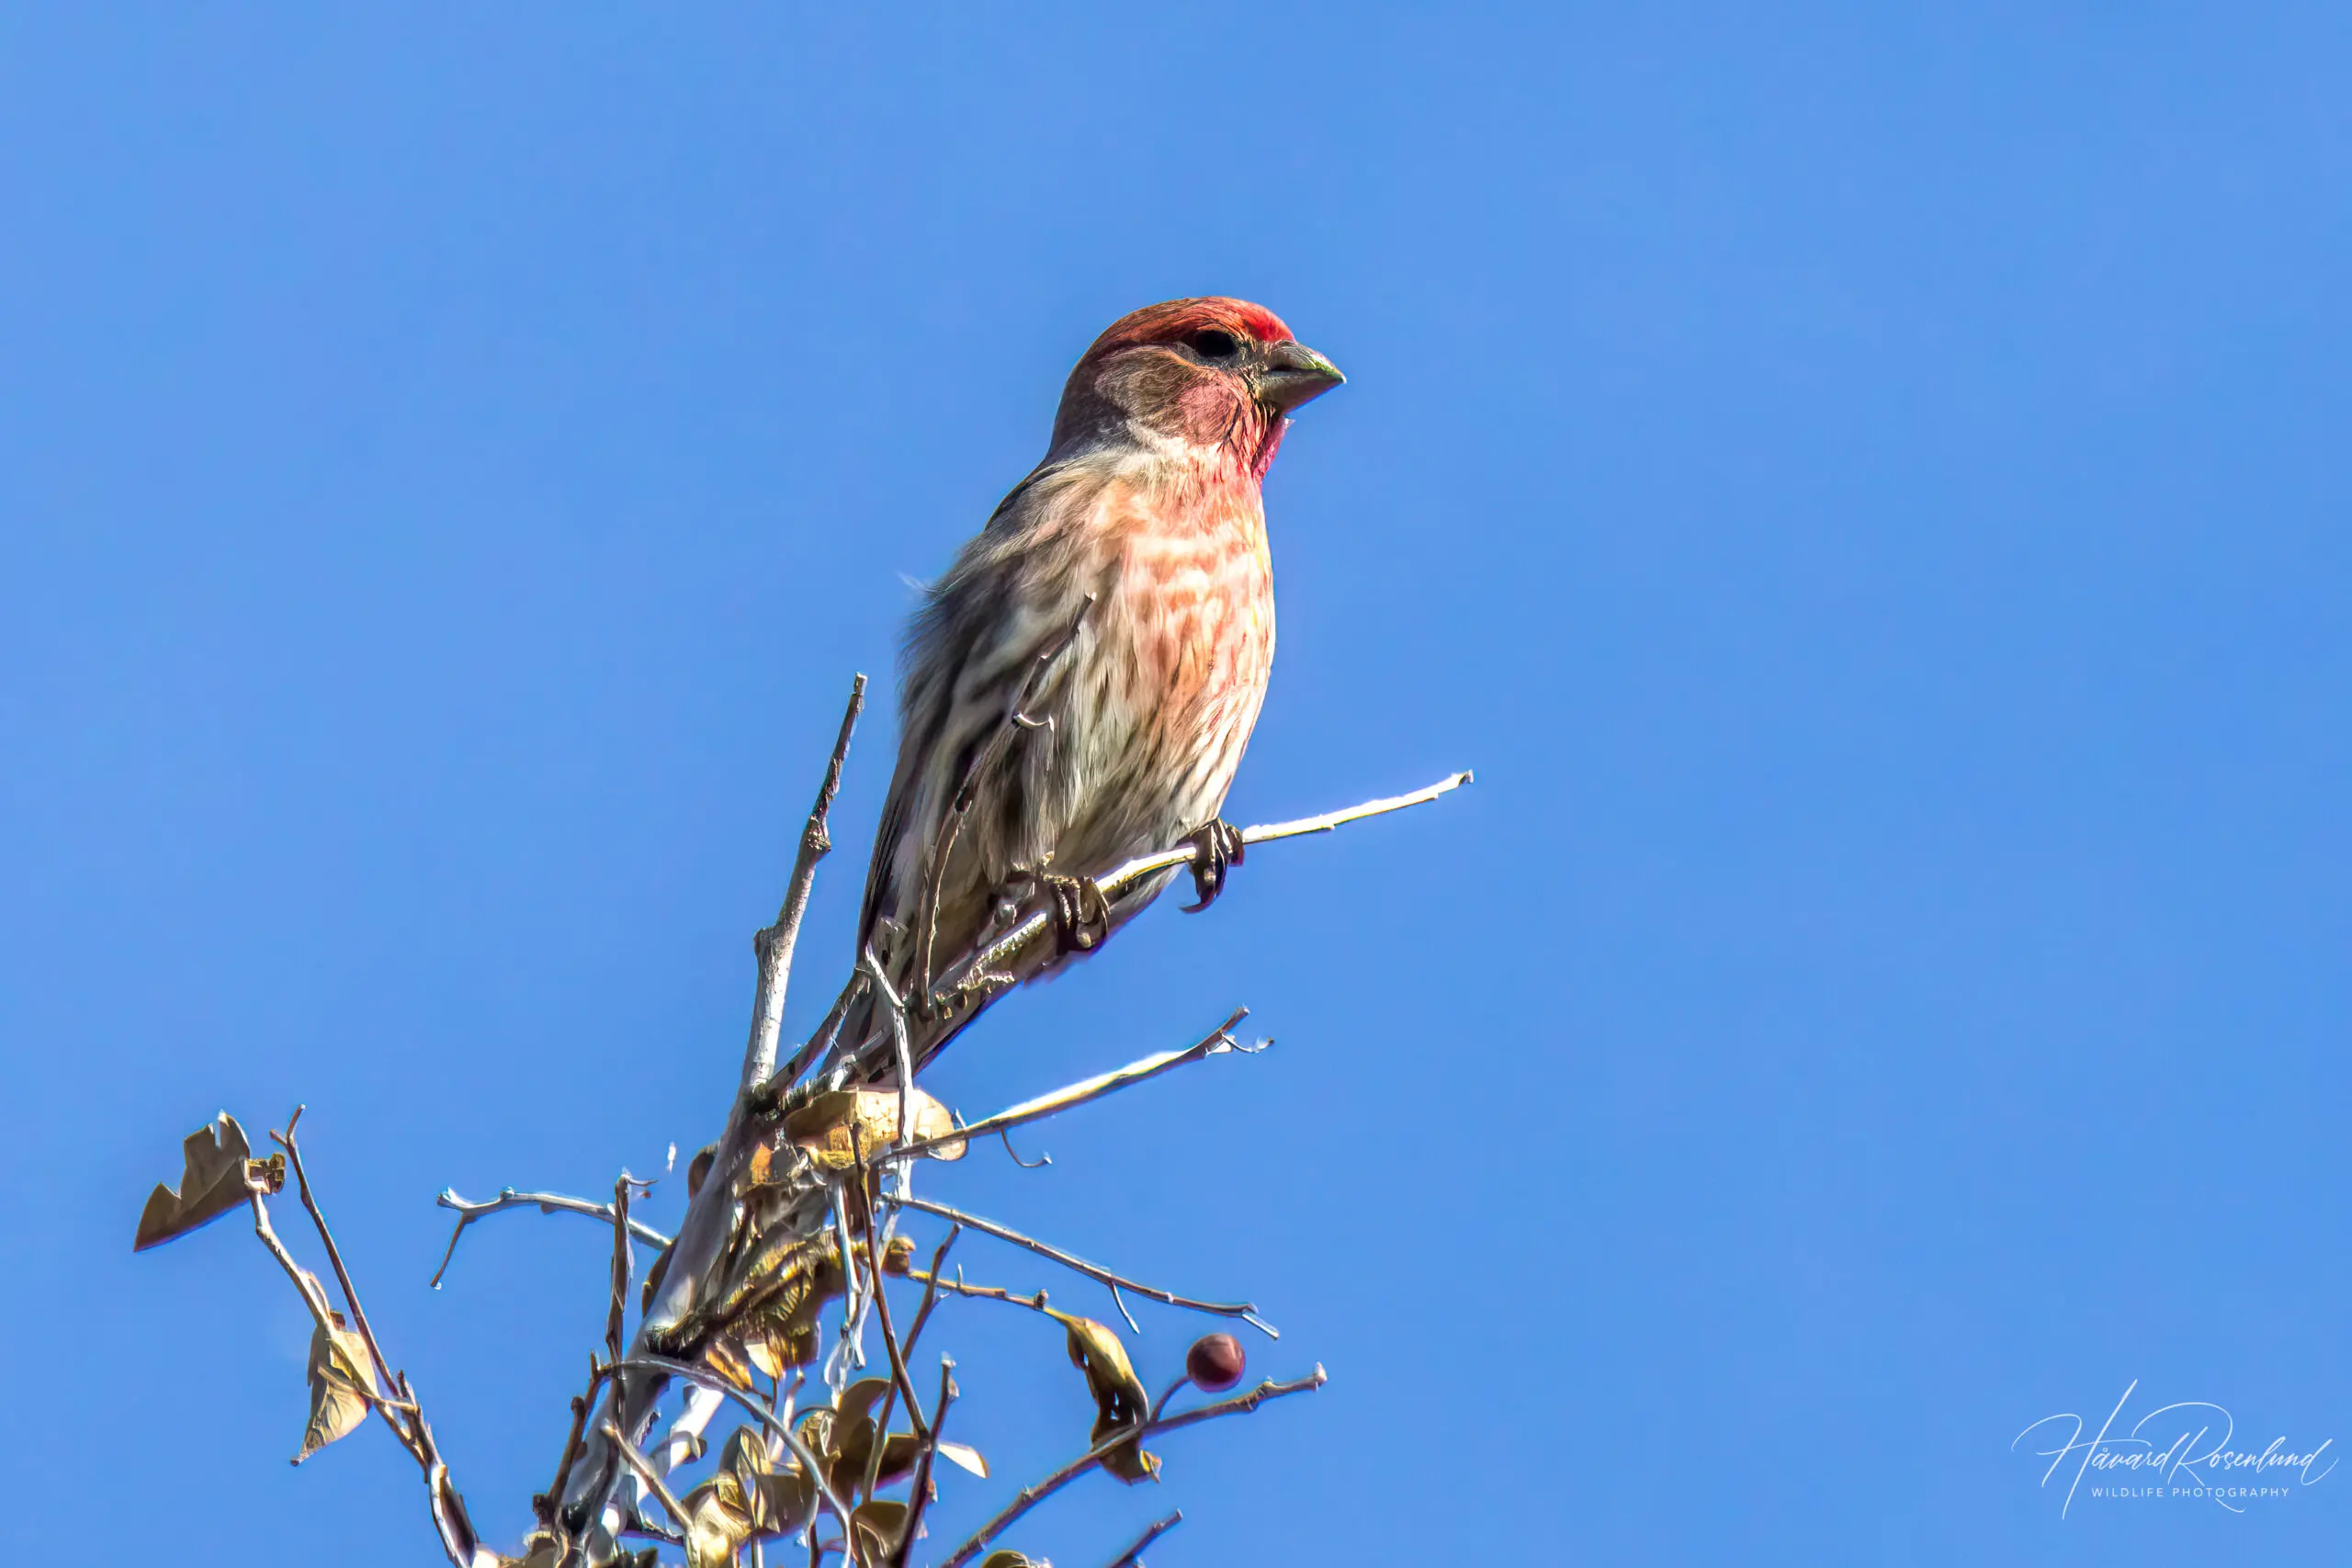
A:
{"points": [[922, 1493], [459, 1541], [1217, 1044], [335, 1254], [931, 1287], [776, 943], [314, 1294], [546, 1202], [1031, 1495], [822, 1039], [1246, 1311], [993, 958], [981, 1293], [1133, 1556], [616, 1314], [903, 1386], [549, 1508], [647, 1473]]}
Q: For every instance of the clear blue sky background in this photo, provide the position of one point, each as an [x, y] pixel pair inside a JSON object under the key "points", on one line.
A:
{"points": [[1866, 491]]}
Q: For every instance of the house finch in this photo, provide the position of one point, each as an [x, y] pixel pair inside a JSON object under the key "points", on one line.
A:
{"points": [[1078, 690]]}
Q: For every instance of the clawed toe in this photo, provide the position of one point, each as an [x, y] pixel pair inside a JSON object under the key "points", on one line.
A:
{"points": [[1082, 915], [1216, 849]]}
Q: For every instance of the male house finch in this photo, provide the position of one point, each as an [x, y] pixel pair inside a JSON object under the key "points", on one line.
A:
{"points": [[1078, 690]]}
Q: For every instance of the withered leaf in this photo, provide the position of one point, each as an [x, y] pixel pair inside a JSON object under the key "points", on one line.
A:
{"points": [[822, 1126], [965, 1456], [212, 1182], [340, 1369], [860, 1398], [881, 1521], [780, 1500], [719, 1522], [1120, 1399], [815, 1430], [847, 1469]]}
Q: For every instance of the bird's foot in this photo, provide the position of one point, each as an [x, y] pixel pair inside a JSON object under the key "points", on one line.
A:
{"points": [[1082, 915], [1216, 849]]}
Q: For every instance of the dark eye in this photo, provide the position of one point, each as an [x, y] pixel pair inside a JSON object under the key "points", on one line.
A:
{"points": [[1214, 345]]}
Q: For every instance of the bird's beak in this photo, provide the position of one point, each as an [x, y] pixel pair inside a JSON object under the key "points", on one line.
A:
{"points": [[1295, 374]]}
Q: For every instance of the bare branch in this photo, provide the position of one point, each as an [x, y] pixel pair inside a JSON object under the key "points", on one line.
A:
{"points": [[401, 1411], [616, 1314], [546, 1505], [314, 1297], [334, 1255], [1031, 1495], [1246, 1311], [981, 1293], [776, 943], [546, 1202], [1133, 1556], [922, 1493], [931, 1287], [647, 1473], [1216, 1045], [993, 958], [904, 1387]]}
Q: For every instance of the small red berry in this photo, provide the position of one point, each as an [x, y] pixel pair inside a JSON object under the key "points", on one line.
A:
{"points": [[1214, 1361]]}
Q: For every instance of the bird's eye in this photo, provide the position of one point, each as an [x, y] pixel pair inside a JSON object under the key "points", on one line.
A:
{"points": [[1214, 345]]}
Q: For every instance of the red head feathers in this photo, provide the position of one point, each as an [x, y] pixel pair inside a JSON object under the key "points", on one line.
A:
{"points": [[1213, 373]]}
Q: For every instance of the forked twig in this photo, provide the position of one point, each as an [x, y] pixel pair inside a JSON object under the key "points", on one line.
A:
{"points": [[1031, 1495], [1217, 1044], [922, 1493], [647, 1473], [546, 1202], [776, 943], [1246, 1311]]}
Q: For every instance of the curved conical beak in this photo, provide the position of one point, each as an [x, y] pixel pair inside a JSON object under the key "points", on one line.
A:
{"points": [[1295, 374]]}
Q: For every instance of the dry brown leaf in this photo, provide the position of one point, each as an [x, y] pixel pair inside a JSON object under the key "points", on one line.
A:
{"points": [[1120, 1399], [881, 1521], [860, 1398], [717, 1522], [212, 1182], [340, 1369], [780, 1499], [964, 1456], [822, 1126], [815, 1430]]}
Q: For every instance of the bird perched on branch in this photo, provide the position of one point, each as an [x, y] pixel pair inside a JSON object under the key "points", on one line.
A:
{"points": [[1078, 689]]}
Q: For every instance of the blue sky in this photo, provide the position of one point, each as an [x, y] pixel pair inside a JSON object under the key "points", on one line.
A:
{"points": [[1865, 487]]}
